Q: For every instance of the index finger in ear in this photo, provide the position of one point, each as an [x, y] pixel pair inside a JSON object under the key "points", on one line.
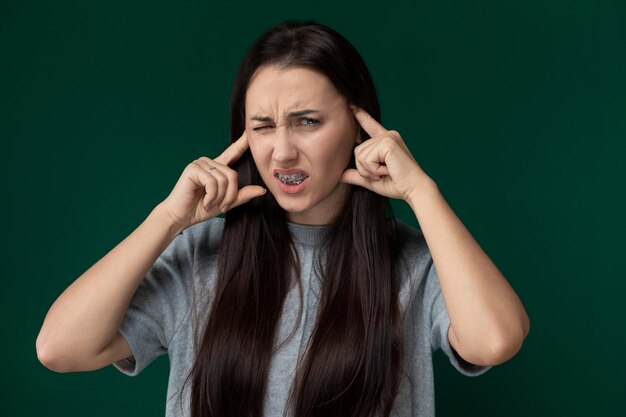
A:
{"points": [[234, 151], [371, 126]]}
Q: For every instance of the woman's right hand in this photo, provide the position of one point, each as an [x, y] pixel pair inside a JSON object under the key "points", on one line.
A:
{"points": [[200, 195]]}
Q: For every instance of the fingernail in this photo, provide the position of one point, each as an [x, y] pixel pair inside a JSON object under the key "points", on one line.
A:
{"points": [[223, 209]]}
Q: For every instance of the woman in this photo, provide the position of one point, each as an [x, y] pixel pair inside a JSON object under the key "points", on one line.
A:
{"points": [[309, 299]]}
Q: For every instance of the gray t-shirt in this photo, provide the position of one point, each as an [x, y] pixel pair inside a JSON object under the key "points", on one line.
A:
{"points": [[160, 317]]}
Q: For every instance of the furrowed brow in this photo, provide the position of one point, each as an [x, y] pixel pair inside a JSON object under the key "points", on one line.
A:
{"points": [[290, 114], [262, 118], [301, 112]]}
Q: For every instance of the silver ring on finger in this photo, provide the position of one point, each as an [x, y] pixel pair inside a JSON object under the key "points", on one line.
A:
{"points": [[211, 168]]}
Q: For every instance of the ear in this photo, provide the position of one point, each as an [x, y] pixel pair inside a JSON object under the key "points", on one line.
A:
{"points": [[359, 140]]}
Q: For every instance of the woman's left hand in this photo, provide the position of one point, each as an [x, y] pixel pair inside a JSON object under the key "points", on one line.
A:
{"points": [[383, 163]]}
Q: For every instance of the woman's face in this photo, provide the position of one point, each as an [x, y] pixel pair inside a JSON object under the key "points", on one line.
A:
{"points": [[301, 133]]}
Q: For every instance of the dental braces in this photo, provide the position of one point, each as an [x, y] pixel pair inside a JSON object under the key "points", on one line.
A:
{"points": [[292, 179]]}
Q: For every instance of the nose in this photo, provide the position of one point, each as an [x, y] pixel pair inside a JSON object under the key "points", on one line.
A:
{"points": [[284, 148]]}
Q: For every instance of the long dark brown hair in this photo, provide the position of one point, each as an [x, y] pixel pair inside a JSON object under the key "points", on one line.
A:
{"points": [[353, 361]]}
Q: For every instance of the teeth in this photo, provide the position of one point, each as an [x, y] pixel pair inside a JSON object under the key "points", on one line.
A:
{"points": [[294, 179]]}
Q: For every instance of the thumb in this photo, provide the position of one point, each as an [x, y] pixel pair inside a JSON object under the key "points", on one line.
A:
{"points": [[352, 176], [247, 193]]}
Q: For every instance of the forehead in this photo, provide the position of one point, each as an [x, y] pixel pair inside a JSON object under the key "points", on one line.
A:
{"points": [[279, 90]]}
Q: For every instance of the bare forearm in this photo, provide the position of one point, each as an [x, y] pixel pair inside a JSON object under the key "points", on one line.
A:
{"points": [[87, 315], [486, 315]]}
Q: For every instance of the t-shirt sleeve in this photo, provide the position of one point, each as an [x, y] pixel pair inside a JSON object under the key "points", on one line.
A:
{"points": [[157, 307], [441, 324]]}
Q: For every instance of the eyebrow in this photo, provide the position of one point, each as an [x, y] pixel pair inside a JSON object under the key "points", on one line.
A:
{"points": [[290, 114]]}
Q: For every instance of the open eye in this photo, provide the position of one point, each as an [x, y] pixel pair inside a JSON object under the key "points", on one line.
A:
{"points": [[307, 121]]}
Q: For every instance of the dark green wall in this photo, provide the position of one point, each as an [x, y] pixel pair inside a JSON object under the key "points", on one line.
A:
{"points": [[517, 109]]}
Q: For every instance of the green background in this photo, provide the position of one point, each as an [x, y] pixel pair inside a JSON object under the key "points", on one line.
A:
{"points": [[517, 109]]}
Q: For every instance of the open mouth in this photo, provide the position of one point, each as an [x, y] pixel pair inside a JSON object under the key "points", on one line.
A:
{"points": [[293, 179]]}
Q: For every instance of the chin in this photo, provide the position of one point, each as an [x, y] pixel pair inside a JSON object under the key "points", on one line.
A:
{"points": [[292, 207]]}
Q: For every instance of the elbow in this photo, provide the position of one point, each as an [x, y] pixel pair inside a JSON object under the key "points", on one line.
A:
{"points": [[507, 345], [503, 351], [49, 357], [63, 356], [509, 339], [498, 348]]}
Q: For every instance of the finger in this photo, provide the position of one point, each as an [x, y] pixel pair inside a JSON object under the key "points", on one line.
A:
{"points": [[234, 151], [363, 171], [352, 176], [247, 193], [361, 162], [209, 183], [232, 184], [372, 161], [371, 126], [373, 171], [222, 184], [208, 162], [232, 189], [382, 171]]}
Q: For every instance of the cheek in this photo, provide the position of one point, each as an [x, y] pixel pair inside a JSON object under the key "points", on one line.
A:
{"points": [[261, 154], [337, 154], [258, 151]]}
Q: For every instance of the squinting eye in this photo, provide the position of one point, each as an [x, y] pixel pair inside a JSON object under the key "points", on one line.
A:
{"points": [[262, 127]]}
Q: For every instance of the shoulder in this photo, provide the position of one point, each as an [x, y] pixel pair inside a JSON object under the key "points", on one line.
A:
{"points": [[411, 244], [210, 227], [204, 237], [413, 259]]}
